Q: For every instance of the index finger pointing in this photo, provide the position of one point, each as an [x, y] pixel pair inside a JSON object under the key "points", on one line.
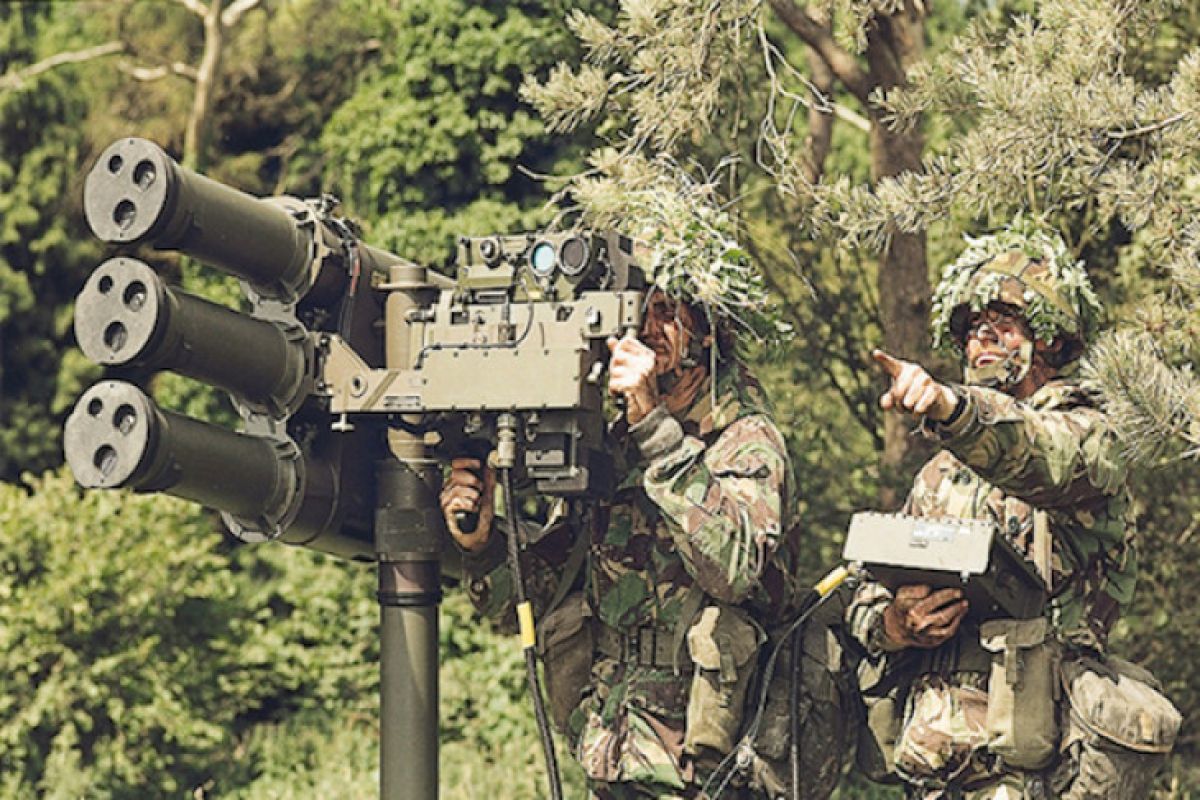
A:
{"points": [[892, 366]]}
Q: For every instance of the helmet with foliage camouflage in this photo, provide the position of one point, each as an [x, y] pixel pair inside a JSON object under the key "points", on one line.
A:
{"points": [[688, 239], [1028, 268]]}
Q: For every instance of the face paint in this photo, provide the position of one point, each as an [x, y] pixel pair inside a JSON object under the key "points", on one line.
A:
{"points": [[1004, 373]]}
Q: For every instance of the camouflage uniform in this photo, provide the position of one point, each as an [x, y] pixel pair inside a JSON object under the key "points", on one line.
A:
{"points": [[1050, 461], [1003, 460], [697, 521]]}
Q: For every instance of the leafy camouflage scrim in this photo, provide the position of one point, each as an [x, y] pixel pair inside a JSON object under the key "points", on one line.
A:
{"points": [[702, 520], [1003, 460], [695, 253], [1024, 265]]}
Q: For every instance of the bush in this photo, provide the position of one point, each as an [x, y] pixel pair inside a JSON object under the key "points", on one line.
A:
{"points": [[137, 647]]}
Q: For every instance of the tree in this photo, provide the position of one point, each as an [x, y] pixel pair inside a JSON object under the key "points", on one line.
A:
{"points": [[42, 259], [434, 143], [1072, 123], [673, 70]]}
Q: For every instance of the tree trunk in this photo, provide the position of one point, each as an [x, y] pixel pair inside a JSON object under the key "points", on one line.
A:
{"points": [[894, 43], [195, 140], [820, 121]]}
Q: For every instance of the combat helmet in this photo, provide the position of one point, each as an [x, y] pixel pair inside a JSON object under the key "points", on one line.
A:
{"points": [[686, 239], [1028, 268]]}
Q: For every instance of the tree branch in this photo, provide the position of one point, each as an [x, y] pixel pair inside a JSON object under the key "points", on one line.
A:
{"points": [[195, 6], [816, 36], [849, 115], [1151, 128], [14, 78], [148, 74], [231, 15]]}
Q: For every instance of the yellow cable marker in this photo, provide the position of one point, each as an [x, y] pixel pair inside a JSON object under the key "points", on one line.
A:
{"points": [[525, 625], [833, 580]]}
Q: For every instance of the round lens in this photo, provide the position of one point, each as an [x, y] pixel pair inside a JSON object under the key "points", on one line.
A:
{"points": [[542, 259], [573, 253]]}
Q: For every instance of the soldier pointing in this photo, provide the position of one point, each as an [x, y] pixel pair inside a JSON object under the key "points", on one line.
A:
{"points": [[1010, 708]]}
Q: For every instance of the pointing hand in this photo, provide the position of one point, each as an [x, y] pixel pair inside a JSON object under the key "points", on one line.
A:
{"points": [[913, 389]]}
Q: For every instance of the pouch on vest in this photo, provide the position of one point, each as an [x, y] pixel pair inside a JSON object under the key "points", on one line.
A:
{"points": [[723, 643], [1119, 729], [1022, 715], [565, 645]]}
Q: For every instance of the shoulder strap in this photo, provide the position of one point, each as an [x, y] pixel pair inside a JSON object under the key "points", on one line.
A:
{"points": [[1042, 546], [570, 571]]}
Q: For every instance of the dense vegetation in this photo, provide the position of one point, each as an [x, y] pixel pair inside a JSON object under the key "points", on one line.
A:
{"points": [[145, 655]]}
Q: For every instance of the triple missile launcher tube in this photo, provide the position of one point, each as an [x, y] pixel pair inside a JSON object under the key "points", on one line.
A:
{"points": [[118, 438], [126, 316], [137, 194]]}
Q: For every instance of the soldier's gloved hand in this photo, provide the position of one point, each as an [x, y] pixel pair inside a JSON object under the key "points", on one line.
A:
{"points": [[921, 617], [914, 390], [470, 487], [632, 375]]}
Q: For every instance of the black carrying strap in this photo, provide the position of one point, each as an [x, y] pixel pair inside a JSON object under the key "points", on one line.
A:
{"points": [[570, 571]]}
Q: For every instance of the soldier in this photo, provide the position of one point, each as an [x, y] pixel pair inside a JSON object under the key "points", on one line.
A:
{"points": [[654, 605], [1024, 446]]}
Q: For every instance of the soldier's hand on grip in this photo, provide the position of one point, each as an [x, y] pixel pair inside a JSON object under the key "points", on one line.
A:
{"points": [[913, 389], [471, 488], [921, 617], [632, 375]]}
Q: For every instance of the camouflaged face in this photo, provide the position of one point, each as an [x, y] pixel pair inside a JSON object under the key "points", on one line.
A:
{"points": [[1024, 267]]}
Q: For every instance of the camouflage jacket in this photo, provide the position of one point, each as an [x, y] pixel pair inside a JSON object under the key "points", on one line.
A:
{"points": [[1005, 460], [699, 514]]}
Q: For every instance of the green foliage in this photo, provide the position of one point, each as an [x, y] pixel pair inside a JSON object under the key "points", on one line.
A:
{"points": [[1162, 628], [137, 652], [430, 143], [489, 737], [146, 658], [659, 72], [307, 755], [118, 629], [42, 258]]}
